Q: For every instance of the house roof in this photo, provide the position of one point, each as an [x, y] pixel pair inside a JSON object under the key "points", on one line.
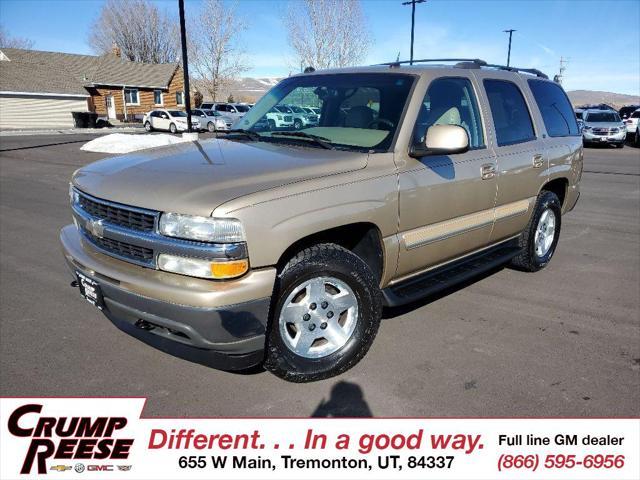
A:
{"points": [[67, 73]]}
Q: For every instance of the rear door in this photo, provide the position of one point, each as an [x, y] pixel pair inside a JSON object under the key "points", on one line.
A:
{"points": [[520, 154]]}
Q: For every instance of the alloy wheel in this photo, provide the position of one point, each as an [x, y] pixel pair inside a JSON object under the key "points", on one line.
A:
{"points": [[318, 317]]}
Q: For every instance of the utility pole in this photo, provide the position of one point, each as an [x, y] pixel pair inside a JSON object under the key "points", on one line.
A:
{"points": [[510, 32], [185, 65], [563, 66], [413, 22]]}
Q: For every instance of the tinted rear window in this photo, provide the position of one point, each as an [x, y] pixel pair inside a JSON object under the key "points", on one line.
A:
{"points": [[555, 108], [510, 114]]}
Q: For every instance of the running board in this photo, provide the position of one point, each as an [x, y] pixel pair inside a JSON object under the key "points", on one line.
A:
{"points": [[449, 275]]}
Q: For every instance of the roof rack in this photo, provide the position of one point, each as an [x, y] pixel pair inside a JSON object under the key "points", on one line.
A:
{"points": [[397, 63], [468, 63], [532, 71]]}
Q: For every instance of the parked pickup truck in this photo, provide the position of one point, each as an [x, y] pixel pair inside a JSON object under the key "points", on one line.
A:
{"points": [[281, 247]]}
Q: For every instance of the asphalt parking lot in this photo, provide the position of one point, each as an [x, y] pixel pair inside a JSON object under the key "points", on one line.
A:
{"points": [[561, 342]]}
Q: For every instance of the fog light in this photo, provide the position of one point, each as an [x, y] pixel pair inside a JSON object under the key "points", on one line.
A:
{"points": [[198, 267]]}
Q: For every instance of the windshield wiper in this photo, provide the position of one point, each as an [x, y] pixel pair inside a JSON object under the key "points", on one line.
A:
{"points": [[249, 133], [322, 141]]}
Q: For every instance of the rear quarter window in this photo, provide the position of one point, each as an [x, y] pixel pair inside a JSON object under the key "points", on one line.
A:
{"points": [[511, 117], [555, 108]]}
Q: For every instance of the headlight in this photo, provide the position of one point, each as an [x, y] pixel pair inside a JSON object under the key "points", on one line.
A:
{"points": [[202, 268], [587, 127], [203, 229]]}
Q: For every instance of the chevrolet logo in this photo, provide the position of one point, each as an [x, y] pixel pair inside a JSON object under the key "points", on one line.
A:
{"points": [[60, 468], [95, 227]]}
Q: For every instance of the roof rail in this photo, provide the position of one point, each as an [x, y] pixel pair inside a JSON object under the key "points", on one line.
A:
{"points": [[467, 63], [532, 71], [476, 61]]}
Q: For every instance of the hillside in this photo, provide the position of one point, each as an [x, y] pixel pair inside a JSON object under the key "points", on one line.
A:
{"points": [[616, 100]]}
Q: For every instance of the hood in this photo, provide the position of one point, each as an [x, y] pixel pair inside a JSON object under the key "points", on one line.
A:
{"points": [[195, 178], [604, 124]]}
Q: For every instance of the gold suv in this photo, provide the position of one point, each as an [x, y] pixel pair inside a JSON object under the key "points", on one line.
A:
{"points": [[280, 246]]}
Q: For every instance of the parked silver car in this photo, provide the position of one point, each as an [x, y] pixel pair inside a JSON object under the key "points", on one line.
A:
{"points": [[603, 126], [212, 121]]}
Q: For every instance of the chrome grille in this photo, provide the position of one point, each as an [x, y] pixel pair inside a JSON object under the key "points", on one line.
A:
{"points": [[117, 215], [121, 249]]}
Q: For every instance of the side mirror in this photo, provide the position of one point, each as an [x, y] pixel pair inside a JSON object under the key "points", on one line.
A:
{"points": [[442, 140]]}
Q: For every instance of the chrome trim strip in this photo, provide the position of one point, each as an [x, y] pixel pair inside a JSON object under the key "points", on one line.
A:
{"points": [[444, 230]]}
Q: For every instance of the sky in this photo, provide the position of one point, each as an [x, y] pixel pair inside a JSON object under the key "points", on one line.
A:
{"points": [[600, 39]]}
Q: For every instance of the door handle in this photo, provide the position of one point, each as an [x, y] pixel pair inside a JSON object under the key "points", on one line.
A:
{"points": [[538, 160], [487, 171]]}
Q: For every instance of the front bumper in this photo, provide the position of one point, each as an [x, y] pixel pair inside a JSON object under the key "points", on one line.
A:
{"points": [[619, 137], [219, 324]]}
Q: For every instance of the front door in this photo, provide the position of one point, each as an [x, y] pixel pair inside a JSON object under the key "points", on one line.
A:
{"points": [[111, 107], [446, 201]]}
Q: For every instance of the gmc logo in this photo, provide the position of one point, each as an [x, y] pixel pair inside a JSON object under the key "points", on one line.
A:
{"points": [[100, 468]]}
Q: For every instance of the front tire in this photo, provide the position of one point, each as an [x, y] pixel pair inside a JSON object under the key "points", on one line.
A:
{"points": [[297, 124], [148, 127], [211, 127], [540, 237], [326, 312], [172, 128]]}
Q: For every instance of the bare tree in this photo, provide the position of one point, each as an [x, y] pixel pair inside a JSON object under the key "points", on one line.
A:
{"points": [[7, 41], [141, 31], [327, 33], [214, 52]]}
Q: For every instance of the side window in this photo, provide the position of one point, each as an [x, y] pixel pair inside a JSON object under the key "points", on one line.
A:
{"points": [[635, 115], [450, 101], [510, 114], [555, 108]]}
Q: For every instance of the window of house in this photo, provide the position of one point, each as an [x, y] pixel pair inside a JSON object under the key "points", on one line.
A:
{"points": [[555, 108], [157, 97], [511, 117], [131, 96], [180, 98], [450, 101]]}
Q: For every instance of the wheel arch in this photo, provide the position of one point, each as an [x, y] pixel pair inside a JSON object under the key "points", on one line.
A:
{"points": [[559, 186], [362, 238]]}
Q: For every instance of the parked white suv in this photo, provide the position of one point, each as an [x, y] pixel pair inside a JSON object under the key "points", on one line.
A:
{"points": [[632, 122], [169, 120], [279, 117], [232, 110]]}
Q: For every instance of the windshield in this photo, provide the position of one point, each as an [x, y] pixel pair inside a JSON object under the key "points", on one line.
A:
{"points": [[359, 110], [177, 113], [603, 117], [242, 108], [579, 115]]}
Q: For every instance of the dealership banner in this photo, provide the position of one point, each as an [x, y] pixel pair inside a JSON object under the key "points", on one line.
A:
{"points": [[109, 438]]}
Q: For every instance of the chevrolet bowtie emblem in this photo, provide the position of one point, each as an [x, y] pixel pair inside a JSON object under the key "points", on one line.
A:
{"points": [[95, 227], [60, 468]]}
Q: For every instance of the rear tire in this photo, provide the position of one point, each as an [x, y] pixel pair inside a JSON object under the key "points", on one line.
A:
{"points": [[272, 125], [172, 128], [211, 127], [328, 299], [297, 124], [148, 127], [538, 247]]}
